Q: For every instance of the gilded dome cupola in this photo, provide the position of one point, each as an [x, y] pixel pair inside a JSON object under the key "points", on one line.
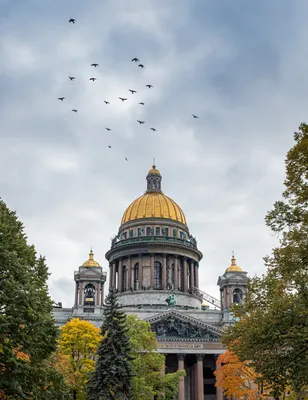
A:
{"points": [[154, 203]]}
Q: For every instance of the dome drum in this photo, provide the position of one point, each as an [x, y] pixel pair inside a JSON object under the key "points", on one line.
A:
{"points": [[153, 251]]}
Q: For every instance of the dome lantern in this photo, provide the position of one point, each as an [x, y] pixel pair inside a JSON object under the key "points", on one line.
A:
{"points": [[234, 267], [154, 180], [91, 262]]}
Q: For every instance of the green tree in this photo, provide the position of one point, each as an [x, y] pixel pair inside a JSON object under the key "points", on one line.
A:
{"points": [[272, 330], [28, 332], [75, 357], [148, 365], [112, 378]]}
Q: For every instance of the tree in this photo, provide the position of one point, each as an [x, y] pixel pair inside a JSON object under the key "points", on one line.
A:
{"points": [[237, 378], [149, 365], [112, 378], [75, 357], [272, 330], [28, 332]]}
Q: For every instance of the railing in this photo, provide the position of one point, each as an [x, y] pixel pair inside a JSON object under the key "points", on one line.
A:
{"points": [[151, 239], [207, 297]]}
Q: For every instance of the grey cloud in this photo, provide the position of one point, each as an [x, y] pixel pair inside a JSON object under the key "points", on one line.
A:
{"points": [[225, 169]]}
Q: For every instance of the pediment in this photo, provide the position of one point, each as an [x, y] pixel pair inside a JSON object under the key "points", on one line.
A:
{"points": [[87, 271], [174, 325]]}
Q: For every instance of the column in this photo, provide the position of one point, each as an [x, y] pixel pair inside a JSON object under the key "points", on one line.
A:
{"points": [[185, 275], [192, 275], [197, 275], [110, 276], [219, 395], [164, 272], [176, 273], [140, 275], [98, 293], [80, 293], [129, 273], [120, 276], [181, 358], [76, 293], [102, 294], [200, 382], [114, 276], [152, 272]]}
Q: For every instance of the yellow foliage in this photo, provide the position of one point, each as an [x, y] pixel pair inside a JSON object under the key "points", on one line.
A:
{"points": [[75, 356], [237, 378]]}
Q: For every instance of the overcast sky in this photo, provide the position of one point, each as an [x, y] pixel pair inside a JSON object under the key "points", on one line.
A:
{"points": [[240, 65]]}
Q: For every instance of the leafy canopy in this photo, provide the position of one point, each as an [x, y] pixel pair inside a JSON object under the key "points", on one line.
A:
{"points": [[273, 328], [149, 366], [75, 357], [28, 332]]}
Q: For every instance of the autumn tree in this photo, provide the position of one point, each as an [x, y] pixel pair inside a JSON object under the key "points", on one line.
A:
{"points": [[149, 378], [272, 330], [112, 378], [28, 332], [75, 357], [238, 378]]}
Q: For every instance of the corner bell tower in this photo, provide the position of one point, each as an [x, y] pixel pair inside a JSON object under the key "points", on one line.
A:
{"points": [[233, 286], [89, 289]]}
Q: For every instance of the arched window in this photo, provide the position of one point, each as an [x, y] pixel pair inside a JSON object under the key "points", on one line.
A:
{"points": [[136, 276], [124, 278], [237, 296], [89, 295], [157, 275]]}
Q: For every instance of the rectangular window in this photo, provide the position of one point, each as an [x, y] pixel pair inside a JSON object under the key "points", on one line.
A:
{"points": [[148, 231], [131, 233], [182, 234], [175, 233], [157, 231], [124, 235], [166, 232]]}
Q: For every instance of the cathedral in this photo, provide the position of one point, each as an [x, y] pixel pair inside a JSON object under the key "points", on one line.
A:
{"points": [[154, 269]]}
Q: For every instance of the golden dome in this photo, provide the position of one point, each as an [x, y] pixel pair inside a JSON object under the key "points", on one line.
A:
{"points": [[233, 267], [154, 171], [153, 205], [91, 262]]}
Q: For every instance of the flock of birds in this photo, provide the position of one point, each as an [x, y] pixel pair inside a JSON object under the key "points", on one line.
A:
{"points": [[93, 79]]}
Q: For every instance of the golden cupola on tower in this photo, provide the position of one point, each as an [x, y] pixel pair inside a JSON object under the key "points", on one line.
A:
{"points": [[153, 204], [234, 267], [91, 262]]}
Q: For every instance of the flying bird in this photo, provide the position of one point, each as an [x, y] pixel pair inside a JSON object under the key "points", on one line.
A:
{"points": [[109, 146], [126, 159], [195, 116], [74, 110], [142, 103], [94, 65], [93, 79], [72, 20], [135, 59], [108, 129], [61, 98], [141, 66], [132, 91], [140, 122], [123, 98], [149, 86], [153, 129], [72, 78], [106, 102]]}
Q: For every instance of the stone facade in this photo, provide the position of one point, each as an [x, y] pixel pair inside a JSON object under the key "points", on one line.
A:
{"points": [[154, 269]]}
